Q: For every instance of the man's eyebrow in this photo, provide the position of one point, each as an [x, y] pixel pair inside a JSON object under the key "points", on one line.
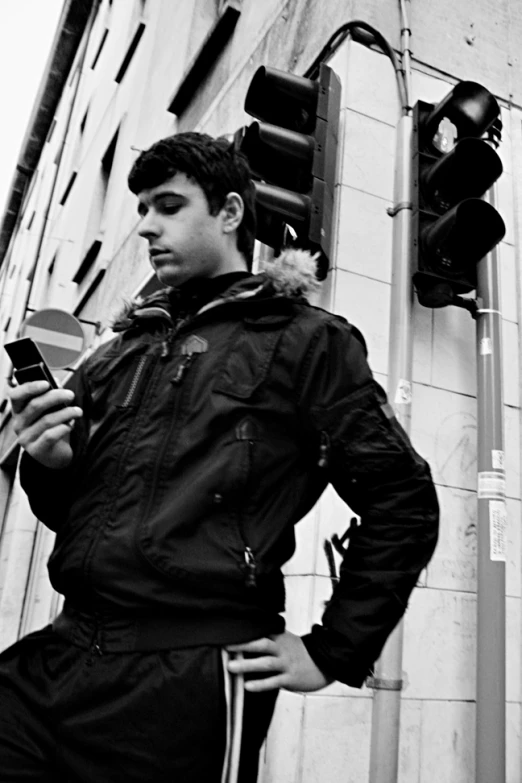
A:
{"points": [[163, 193]]}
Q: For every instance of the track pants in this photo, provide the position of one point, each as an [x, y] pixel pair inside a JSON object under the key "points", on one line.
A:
{"points": [[69, 715]]}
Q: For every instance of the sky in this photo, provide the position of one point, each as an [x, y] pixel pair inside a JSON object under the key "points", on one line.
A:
{"points": [[26, 33]]}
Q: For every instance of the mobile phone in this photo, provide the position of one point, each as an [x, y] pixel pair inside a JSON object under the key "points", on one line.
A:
{"points": [[28, 362]]}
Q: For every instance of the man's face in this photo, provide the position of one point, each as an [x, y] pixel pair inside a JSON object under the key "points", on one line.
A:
{"points": [[185, 240]]}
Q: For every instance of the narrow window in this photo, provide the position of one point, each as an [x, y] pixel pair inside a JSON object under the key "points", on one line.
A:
{"points": [[130, 52]]}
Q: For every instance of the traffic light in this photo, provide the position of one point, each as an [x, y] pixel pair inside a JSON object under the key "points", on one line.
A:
{"points": [[292, 152], [453, 167]]}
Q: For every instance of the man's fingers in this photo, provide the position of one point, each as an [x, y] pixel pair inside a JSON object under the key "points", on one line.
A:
{"points": [[268, 663], [263, 645], [37, 409], [266, 684], [20, 395], [44, 429], [51, 436]]}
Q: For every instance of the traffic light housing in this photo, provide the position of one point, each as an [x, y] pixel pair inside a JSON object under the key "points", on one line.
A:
{"points": [[292, 152], [452, 168]]}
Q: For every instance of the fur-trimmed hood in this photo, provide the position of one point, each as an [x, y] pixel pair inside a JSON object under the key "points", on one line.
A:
{"points": [[291, 275]]}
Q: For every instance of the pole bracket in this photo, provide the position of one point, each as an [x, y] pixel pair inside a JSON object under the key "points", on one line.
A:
{"points": [[392, 211], [384, 684]]}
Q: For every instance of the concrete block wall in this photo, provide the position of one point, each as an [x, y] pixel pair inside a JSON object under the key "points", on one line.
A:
{"points": [[326, 736]]}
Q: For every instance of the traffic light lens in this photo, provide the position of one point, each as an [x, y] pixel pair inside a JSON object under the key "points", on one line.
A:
{"points": [[461, 237], [446, 136], [468, 171]]}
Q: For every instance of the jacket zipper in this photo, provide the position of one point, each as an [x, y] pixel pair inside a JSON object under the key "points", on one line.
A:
{"points": [[164, 355], [166, 345], [248, 554], [251, 567], [94, 648], [324, 450], [182, 368], [134, 383]]}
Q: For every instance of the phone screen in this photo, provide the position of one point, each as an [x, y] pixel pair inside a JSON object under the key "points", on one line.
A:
{"points": [[28, 362]]}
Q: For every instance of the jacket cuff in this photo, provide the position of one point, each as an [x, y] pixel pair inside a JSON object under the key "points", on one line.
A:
{"points": [[46, 489], [335, 662]]}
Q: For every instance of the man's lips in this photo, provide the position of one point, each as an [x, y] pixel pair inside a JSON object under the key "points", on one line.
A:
{"points": [[154, 252]]}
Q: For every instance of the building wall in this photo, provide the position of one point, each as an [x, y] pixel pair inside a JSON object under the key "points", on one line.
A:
{"points": [[322, 736]]}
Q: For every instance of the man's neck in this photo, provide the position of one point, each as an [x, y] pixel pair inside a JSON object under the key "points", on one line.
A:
{"points": [[195, 293]]}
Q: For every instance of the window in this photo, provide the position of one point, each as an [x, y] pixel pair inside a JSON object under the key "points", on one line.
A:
{"points": [[130, 52], [67, 190], [51, 129], [48, 279], [88, 260], [100, 47], [78, 144], [93, 240], [207, 56], [90, 291]]}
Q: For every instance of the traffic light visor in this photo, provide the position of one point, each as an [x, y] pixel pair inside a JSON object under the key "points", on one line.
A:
{"points": [[469, 106], [278, 155], [294, 208], [283, 99]]}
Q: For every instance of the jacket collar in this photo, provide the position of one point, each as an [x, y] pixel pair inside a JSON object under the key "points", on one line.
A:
{"points": [[291, 276]]}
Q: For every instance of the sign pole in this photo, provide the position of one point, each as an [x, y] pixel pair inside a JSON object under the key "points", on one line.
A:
{"points": [[491, 531]]}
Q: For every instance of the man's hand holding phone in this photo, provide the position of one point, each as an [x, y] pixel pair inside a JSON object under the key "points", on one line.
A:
{"points": [[43, 414], [42, 420]]}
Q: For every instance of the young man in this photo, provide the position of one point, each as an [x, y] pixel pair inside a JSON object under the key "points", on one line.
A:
{"points": [[186, 450]]}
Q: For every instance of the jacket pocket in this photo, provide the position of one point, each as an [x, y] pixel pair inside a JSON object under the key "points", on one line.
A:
{"points": [[198, 527], [117, 380], [251, 357], [360, 429]]}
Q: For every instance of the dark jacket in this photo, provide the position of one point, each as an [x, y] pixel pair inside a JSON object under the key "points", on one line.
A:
{"points": [[204, 441]]}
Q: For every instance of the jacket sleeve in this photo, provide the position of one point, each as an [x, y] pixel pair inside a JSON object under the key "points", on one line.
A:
{"points": [[50, 491], [373, 467]]}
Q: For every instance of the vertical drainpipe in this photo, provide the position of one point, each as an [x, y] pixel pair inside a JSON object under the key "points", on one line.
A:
{"points": [[387, 679], [59, 157], [490, 747]]}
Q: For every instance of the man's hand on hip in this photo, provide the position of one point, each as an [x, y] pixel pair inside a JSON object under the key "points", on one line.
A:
{"points": [[284, 662]]}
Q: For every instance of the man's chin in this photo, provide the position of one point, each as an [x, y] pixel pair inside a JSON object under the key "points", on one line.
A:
{"points": [[169, 277]]}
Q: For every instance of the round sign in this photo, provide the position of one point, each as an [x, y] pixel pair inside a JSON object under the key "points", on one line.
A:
{"points": [[59, 336]]}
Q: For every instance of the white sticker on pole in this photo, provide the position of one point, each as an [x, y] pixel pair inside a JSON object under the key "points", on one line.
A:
{"points": [[491, 486], [497, 530], [497, 459], [485, 346], [403, 394]]}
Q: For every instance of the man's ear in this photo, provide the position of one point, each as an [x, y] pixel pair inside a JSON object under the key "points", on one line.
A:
{"points": [[233, 210]]}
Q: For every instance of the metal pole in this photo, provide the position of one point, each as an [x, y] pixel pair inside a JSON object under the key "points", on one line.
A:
{"points": [[490, 750], [387, 682]]}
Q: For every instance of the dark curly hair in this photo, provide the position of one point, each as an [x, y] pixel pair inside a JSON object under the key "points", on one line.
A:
{"points": [[216, 166]]}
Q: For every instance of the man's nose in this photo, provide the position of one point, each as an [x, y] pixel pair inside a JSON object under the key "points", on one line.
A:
{"points": [[148, 227]]}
